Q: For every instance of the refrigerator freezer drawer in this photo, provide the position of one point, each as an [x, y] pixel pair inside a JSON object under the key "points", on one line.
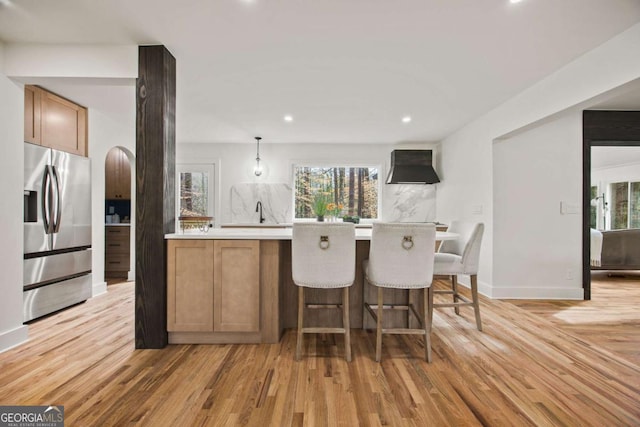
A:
{"points": [[47, 299], [51, 268]]}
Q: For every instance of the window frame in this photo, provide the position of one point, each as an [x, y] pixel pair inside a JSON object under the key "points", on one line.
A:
{"points": [[212, 202], [337, 164]]}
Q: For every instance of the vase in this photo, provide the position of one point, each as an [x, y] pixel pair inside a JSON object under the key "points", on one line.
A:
{"points": [[320, 218]]}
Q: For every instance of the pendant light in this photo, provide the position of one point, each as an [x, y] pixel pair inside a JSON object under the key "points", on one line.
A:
{"points": [[258, 169]]}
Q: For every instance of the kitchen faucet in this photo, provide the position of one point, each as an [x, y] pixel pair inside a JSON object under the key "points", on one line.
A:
{"points": [[259, 208]]}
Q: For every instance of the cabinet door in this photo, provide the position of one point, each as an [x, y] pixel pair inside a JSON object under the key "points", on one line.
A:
{"points": [[190, 286], [117, 175], [111, 179], [64, 124], [124, 176], [236, 286], [32, 96]]}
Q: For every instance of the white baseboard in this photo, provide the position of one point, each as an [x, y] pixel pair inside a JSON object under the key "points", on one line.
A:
{"points": [[98, 289], [524, 293], [14, 337]]}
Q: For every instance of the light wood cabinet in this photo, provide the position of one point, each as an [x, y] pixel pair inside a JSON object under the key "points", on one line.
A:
{"points": [[32, 114], [213, 286], [190, 286], [236, 286], [117, 176], [52, 121], [117, 251]]}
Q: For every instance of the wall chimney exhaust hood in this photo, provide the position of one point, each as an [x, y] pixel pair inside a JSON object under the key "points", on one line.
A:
{"points": [[412, 167]]}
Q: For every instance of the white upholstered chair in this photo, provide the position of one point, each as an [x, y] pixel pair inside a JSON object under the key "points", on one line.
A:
{"points": [[461, 256], [323, 256], [401, 257]]}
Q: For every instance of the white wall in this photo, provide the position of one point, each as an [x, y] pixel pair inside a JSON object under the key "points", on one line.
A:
{"points": [[533, 173], [105, 134], [12, 331], [467, 158], [235, 163]]}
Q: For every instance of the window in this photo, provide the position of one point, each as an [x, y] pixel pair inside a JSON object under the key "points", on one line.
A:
{"points": [[594, 209], [625, 205], [194, 190], [351, 191]]}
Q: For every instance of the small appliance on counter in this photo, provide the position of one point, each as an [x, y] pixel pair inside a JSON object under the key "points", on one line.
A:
{"points": [[57, 230]]}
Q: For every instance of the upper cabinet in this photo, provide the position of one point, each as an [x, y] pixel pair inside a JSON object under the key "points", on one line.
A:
{"points": [[32, 114], [53, 121], [118, 175]]}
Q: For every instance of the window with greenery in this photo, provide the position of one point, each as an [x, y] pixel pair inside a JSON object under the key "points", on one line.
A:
{"points": [[625, 205], [194, 190], [336, 191]]}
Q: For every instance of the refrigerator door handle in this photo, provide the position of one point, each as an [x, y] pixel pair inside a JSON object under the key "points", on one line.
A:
{"points": [[58, 201], [47, 200]]}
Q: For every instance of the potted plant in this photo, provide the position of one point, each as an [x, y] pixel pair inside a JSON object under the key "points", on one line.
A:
{"points": [[354, 219], [320, 202]]}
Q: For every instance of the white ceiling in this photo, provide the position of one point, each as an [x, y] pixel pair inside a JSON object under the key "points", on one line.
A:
{"points": [[607, 157], [346, 70]]}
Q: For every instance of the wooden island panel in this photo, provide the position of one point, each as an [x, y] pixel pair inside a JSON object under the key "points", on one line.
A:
{"points": [[223, 291], [190, 285], [236, 286]]}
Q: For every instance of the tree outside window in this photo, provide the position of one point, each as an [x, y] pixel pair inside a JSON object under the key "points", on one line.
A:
{"points": [[353, 188], [194, 192], [625, 205]]}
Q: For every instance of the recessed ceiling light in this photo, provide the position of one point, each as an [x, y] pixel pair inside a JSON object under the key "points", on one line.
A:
{"points": [[406, 119], [288, 118], [515, 1], [5, 2]]}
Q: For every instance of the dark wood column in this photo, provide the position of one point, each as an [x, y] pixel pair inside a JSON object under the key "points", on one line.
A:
{"points": [[155, 190]]}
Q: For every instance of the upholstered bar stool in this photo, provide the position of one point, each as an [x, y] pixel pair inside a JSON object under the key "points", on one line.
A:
{"points": [[323, 257], [401, 257], [461, 256]]}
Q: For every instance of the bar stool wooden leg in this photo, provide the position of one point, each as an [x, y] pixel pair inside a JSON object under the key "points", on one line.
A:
{"points": [[476, 303], [300, 319], [345, 324], [379, 327], [454, 287], [427, 313]]}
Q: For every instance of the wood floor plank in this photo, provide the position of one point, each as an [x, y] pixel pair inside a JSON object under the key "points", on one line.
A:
{"points": [[541, 363]]}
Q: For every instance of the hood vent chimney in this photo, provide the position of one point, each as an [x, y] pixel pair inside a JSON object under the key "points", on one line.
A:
{"points": [[412, 167]]}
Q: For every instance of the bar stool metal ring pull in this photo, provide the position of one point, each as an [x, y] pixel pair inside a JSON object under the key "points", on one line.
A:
{"points": [[324, 242], [407, 242]]}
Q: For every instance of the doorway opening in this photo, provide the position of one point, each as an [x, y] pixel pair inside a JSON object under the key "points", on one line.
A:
{"points": [[603, 206]]}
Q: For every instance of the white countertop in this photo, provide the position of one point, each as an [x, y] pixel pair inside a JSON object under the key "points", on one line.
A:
{"points": [[276, 225], [120, 224], [262, 233]]}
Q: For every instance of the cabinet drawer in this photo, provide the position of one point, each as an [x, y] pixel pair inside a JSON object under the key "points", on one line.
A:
{"points": [[117, 263], [117, 233], [117, 247]]}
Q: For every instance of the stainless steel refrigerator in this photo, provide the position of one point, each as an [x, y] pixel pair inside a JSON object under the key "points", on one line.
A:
{"points": [[57, 230]]}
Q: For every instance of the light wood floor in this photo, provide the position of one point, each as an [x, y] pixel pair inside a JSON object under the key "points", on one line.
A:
{"points": [[611, 319], [525, 369]]}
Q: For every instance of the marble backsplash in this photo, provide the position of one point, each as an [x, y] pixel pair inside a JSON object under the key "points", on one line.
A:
{"points": [[408, 203], [400, 203], [276, 203]]}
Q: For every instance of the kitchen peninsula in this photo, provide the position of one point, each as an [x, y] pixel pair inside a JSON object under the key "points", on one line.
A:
{"points": [[234, 285]]}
